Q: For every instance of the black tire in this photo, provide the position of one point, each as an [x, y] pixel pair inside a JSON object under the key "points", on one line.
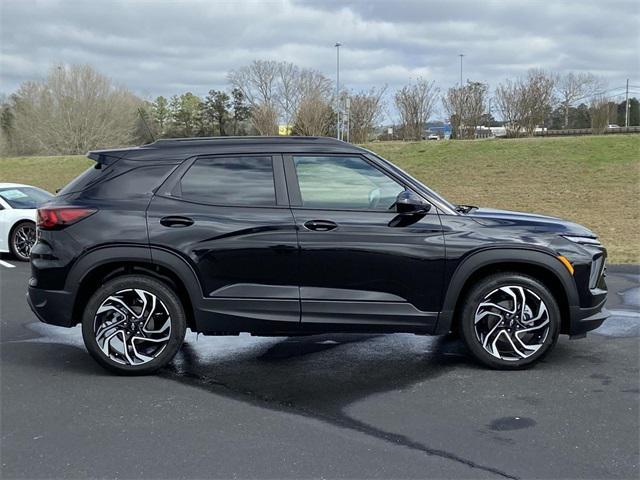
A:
{"points": [[165, 297], [485, 291], [16, 239]]}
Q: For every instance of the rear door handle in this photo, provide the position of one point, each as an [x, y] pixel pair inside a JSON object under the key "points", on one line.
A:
{"points": [[176, 221], [320, 225]]}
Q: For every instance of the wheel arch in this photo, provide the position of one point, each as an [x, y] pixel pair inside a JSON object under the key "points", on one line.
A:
{"points": [[103, 264], [541, 265], [14, 224]]}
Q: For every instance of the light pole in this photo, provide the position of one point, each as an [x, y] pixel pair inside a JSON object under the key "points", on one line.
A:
{"points": [[461, 55], [337, 45]]}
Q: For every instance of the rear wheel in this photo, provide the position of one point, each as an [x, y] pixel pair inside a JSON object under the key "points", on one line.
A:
{"points": [[510, 321], [23, 237], [133, 325]]}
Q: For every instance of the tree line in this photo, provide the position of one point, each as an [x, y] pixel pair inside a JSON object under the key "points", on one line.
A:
{"points": [[75, 108]]}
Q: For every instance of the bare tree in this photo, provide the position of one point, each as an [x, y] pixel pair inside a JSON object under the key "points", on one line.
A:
{"points": [[365, 111], [508, 98], [73, 110], [415, 104], [313, 117], [526, 102], [572, 87], [599, 113], [537, 98], [282, 85], [465, 107], [264, 118], [257, 82], [296, 85]]}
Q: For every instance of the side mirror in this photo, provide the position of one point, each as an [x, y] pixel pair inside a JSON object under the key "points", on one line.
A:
{"points": [[409, 203]]}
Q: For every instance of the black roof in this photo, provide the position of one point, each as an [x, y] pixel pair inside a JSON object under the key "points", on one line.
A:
{"points": [[181, 148]]}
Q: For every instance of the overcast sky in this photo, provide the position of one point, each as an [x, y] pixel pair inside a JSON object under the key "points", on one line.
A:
{"points": [[162, 48]]}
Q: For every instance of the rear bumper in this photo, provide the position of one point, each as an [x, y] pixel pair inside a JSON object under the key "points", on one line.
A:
{"points": [[52, 306]]}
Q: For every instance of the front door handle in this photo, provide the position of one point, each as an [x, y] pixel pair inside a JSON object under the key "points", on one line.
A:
{"points": [[320, 225], [176, 221]]}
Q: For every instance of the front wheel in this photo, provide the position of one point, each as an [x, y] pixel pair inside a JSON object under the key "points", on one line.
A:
{"points": [[510, 321], [133, 325]]}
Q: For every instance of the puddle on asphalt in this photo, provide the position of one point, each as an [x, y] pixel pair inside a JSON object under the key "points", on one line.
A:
{"points": [[624, 322]]}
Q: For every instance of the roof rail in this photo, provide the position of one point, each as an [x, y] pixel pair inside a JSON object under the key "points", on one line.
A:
{"points": [[168, 142]]}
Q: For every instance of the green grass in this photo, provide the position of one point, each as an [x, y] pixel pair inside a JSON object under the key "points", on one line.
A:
{"points": [[50, 173], [592, 180]]}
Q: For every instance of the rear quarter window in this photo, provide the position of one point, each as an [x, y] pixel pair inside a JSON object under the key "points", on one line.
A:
{"points": [[90, 176], [129, 183]]}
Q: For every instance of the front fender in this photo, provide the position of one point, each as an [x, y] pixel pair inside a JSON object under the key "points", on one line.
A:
{"points": [[500, 256]]}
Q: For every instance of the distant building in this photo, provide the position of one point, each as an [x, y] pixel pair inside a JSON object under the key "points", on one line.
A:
{"points": [[443, 130]]}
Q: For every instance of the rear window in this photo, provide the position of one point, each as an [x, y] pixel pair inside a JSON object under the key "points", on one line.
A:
{"points": [[24, 197]]}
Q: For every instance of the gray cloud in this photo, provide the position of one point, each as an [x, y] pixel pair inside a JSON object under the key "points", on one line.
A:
{"points": [[163, 48]]}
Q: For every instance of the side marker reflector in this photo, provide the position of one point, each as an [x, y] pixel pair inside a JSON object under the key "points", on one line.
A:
{"points": [[566, 263]]}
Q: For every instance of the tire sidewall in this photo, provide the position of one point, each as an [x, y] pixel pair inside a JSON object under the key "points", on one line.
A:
{"points": [[477, 294], [168, 297]]}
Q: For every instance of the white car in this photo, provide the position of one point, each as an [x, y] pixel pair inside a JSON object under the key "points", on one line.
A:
{"points": [[433, 136], [18, 204]]}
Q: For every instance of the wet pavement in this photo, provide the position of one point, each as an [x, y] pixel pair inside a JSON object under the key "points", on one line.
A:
{"points": [[331, 406]]}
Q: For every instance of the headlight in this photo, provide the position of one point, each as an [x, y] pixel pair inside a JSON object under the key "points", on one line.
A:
{"points": [[583, 240]]}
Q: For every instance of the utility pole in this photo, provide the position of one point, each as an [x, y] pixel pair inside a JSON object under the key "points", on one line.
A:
{"points": [[337, 45], [461, 55], [626, 107]]}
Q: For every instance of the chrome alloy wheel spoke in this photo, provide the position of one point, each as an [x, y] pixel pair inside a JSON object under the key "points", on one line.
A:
{"points": [[507, 327], [132, 326]]}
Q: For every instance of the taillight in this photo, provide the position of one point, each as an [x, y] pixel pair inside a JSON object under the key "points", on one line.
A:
{"points": [[57, 218]]}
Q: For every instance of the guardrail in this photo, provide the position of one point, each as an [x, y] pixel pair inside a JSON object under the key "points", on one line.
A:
{"points": [[585, 131]]}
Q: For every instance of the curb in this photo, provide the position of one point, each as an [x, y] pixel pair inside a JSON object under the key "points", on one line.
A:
{"points": [[623, 268]]}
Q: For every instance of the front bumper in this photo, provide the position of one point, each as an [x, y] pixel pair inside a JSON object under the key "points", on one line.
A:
{"points": [[584, 320], [52, 306], [592, 294]]}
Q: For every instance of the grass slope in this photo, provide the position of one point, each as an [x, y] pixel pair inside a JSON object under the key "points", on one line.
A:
{"points": [[50, 173], [592, 180]]}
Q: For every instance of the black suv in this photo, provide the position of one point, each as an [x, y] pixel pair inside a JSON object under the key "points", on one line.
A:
{"points": [[298, 236]]}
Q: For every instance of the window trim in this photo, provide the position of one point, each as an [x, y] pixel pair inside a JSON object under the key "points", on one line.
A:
{"points": [[171, 187], [295, 194]]}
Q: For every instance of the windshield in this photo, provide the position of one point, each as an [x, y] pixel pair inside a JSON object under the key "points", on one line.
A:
{"points": [[24, 197]]}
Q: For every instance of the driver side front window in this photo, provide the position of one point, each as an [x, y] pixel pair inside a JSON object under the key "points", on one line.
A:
{"points": [[344, 183]]}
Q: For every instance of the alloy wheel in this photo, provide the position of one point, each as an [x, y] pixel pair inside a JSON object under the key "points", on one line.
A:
{"points": [[512, 323], [132, 326], [24, 238]]}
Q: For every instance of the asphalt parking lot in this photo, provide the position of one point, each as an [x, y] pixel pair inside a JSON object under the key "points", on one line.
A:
{"points": [[331, 406]]}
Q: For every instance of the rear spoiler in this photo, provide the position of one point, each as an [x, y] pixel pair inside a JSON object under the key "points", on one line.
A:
{"points": [[107, 157]]}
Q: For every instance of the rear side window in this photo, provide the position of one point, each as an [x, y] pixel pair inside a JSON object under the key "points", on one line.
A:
{"points": [[230, 181]]}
